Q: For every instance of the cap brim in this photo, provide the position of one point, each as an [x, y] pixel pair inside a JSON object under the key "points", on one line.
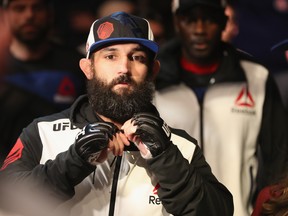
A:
{"points": [[281, 46], [153, 46]]}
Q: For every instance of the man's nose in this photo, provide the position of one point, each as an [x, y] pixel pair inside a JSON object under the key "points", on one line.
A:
{"points": [[124, 65], [199, 26]]}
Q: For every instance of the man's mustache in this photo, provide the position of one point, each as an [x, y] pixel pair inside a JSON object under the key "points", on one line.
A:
{"points": [[122, 79]]}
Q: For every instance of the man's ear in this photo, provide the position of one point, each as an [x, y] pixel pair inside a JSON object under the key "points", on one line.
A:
{"points": [[155, 69], [85, 65]]}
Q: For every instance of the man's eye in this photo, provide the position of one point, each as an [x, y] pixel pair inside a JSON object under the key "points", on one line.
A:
{"points": [[139, 58], [111, 57]]}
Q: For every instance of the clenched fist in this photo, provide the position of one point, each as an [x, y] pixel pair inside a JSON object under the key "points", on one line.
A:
{"points": [[93, 139], [149, 132]]}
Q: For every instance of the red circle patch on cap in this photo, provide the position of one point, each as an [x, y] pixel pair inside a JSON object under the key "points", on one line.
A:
{"points": [[105, 30]]}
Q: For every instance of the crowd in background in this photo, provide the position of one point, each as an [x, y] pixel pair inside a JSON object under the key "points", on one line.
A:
{"points": [[261, 24]]}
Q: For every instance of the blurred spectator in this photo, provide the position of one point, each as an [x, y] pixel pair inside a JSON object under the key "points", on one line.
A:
{"points": [[73, 20], [5, 38], [281, 5], [82, 14], [110, 6], [232, 27], [41, 76], [162, 11], [81, 17], [157, 25], [224, 98]]}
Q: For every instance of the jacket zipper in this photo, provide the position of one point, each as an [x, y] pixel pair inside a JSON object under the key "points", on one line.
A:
{"points": [[114, 186], [201, 127]]}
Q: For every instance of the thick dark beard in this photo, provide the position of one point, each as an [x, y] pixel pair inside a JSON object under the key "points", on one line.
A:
{"points": [[120, 107]]}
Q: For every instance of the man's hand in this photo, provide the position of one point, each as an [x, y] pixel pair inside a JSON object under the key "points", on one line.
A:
{"points": [[93, 139], [149, 132]]}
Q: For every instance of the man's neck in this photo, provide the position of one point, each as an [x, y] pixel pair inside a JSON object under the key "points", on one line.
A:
{"points": [[200, 69]]}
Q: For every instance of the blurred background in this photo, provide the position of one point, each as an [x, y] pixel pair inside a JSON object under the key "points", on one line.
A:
{"points": [[261, 24]]}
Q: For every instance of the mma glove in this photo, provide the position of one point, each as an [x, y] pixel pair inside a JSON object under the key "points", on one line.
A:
{"points": [[153, 132], [92, 139]]}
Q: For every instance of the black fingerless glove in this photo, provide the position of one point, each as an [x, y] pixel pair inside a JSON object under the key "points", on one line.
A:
{"points": [[153, 132], [92, 139]]}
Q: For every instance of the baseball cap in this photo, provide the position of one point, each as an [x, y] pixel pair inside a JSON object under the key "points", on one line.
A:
{"points": [[180, 5], [120, 27]]}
